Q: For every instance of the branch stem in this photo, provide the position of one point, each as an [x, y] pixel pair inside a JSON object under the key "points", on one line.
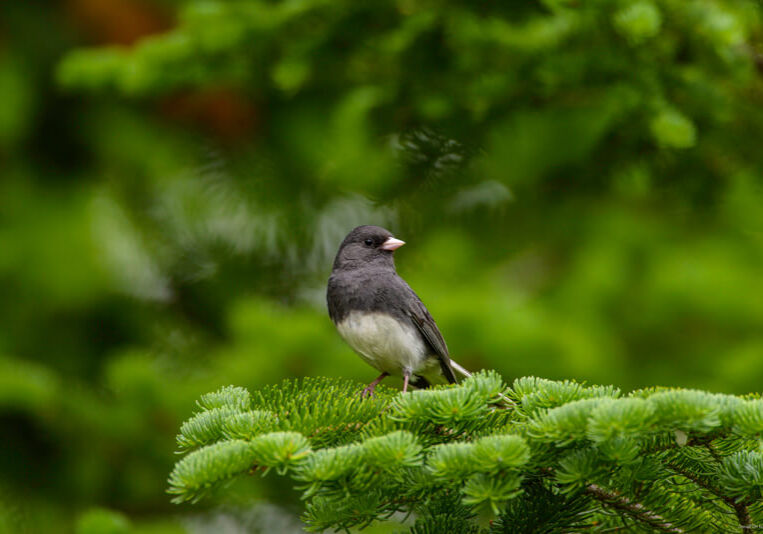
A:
{"points": [[740, 508], [634, 509]]}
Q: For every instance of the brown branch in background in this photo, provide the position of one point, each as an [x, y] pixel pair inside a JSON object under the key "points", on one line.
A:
{"points": [[743, 515], [740, 508], [713, 452], [633, 509]]}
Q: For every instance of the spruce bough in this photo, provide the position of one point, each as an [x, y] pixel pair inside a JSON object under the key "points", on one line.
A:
{"points": [[540, 456]]}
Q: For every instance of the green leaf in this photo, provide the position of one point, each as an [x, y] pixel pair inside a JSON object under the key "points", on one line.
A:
{"points": [[497, 453], [578, 468], [281, 450], [687, 410], [342, 512], [329, 412], [204, 469], [672, 129], [204, 428], [563, 425], [393, 450], [486, 384], [250, 424], [616, 426], [742, 475], [451, 461], [535, 394], [330, 464], [638, 21], [492, 490], [231, 397], [439, 406], [748, 418]]}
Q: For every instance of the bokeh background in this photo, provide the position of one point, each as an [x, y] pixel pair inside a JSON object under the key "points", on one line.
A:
{"points": [[579, 184]]}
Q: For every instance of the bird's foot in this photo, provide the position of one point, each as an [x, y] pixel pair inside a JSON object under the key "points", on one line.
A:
{"points": [[368, 391]]}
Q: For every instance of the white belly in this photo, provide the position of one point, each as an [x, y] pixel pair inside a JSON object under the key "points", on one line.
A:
{"points": [[385, 343]]}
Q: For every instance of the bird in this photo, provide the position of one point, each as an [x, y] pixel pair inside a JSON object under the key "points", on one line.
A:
{"points": [[381, 318]]}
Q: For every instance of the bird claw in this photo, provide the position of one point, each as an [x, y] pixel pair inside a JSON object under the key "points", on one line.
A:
{"points": [[369, 389]]}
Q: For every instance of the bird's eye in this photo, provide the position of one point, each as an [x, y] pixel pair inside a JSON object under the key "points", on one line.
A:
{"points": [[369, 242]]}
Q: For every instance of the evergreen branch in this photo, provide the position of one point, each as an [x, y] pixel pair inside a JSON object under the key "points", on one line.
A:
{"points": [[633, 509], [359, 461], [694, 441], [231, 397], [697, 480], [714, 453], [739, 507], [743, 514]]}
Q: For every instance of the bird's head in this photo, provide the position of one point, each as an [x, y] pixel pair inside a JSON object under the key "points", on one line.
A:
{"points": [[367, 245]]}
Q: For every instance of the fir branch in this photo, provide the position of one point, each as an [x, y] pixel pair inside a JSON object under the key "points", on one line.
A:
{"points": [[739, 507], [714, 453], [358, 461], [669, 443], [633, 509], [743, 514]]}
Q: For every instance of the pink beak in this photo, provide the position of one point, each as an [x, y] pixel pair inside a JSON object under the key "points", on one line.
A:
{"points": [[392, 244]]}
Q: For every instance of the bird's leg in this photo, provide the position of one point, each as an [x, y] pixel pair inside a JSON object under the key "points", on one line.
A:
{"points": [[369, 389], [406, 378]]}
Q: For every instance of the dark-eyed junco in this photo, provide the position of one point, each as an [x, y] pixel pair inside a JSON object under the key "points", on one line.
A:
{"points": [[380, 316]]}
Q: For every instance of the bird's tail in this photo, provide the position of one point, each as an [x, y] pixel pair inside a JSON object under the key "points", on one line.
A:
{"points": [[460, 369]]}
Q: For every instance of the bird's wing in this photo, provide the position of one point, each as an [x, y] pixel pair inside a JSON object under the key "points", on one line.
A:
{"points": [[428, 328]]}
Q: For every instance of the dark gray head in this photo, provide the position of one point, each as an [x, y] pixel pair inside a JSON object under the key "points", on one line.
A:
{"points": [[367, 245]]}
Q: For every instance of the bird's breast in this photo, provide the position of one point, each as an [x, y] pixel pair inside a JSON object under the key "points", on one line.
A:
{"points": [[383, 341]]}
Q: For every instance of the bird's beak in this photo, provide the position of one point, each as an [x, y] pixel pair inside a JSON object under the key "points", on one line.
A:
{"points": [[392, 244]]}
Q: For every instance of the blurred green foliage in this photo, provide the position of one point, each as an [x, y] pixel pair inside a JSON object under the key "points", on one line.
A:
{"points": [[579, 185]]}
